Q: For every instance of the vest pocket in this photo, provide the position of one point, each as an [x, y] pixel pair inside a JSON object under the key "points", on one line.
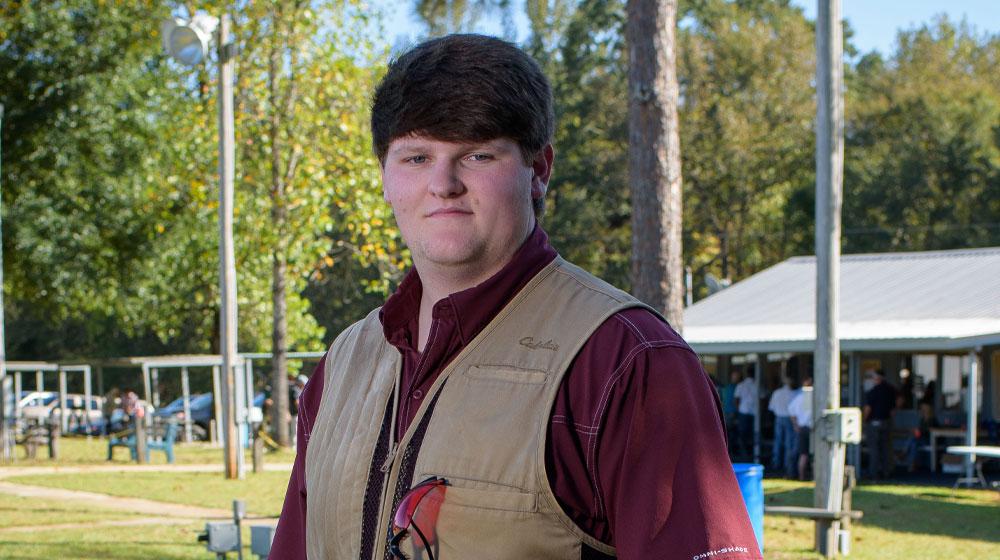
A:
{"points": [[465, 493], [508, 374]]}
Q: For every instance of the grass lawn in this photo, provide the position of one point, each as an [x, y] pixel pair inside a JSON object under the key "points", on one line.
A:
{"points": [[262, 492], [901, 522], [16, 511], [94, 451], [163, 542]]}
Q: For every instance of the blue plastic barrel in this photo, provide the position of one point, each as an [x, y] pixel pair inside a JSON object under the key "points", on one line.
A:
{"points": [[751, 479]]}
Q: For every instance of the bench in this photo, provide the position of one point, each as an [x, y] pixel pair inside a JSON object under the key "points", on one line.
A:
{"points": [[164, 442], [122, 439], [813, 513], [37, 436], [845, 515]]}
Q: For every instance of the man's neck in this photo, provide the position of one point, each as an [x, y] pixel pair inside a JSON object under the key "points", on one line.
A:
{"points": [[438, 284]]}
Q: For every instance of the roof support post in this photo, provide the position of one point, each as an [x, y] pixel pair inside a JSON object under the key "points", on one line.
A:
{"points": [[186, 393], [972, 409]]}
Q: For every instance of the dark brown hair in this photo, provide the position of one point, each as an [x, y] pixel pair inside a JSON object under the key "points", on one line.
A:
{"points": [[463, 88]]}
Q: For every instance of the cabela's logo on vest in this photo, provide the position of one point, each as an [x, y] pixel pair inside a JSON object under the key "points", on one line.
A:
{"points": [[530, 342]]}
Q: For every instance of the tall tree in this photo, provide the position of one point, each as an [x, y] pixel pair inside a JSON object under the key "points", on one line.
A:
{"points": [[922, 167], [655, 157], [303, 109], [746, 70]]}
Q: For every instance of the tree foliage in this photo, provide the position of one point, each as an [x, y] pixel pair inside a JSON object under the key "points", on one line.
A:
{"points": [[110, 180], [923, 143]]}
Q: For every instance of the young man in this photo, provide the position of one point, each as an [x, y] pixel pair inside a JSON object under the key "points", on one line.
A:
{"points": [[502, 403]]}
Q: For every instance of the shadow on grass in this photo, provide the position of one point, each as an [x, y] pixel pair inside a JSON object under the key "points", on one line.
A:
{"points": [[922, 512]]}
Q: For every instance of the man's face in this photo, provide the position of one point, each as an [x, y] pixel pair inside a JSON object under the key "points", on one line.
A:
{"points": [[463, 207]]}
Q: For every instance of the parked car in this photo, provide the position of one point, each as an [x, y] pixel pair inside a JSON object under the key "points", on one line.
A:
{"points": [[202, 407], [202, 411], [44, 408]]}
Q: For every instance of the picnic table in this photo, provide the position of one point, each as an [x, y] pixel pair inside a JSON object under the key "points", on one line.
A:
{"points": [[980, 453]]}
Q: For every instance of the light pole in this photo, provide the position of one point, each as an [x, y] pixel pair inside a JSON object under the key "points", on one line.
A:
{"points": [[188, 42]]}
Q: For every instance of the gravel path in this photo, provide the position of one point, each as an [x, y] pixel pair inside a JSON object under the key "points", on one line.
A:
{"points": [[150, 512]]}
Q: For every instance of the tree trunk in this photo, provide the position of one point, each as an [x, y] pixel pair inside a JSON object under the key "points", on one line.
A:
{"points": [[280, 414], [279, 347], [655, 157]]}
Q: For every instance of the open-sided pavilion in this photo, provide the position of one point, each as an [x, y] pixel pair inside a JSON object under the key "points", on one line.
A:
{"points": [[152, 366], [934, 314], [39, 369]]}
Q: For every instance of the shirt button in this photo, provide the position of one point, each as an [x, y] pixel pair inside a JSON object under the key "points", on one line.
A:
{"points": [[418, 394]]}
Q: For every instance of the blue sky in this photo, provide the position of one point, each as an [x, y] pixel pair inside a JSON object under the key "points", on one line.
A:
{"points": [[875, 22]]}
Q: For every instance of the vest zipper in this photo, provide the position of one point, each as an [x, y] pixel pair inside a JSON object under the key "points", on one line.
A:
{"points": [[393, 444]]}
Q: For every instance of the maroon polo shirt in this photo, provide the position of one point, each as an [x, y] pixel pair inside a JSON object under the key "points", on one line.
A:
{"points": [[636, 451]]}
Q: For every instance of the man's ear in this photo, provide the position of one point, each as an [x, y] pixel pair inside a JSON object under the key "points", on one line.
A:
{"points": [[541, 170]]}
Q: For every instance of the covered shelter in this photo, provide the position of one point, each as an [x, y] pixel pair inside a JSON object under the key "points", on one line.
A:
{"points": [[920, 316], [18, 369], [152, 366]]}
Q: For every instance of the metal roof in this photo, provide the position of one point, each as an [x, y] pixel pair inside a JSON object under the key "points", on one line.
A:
{"points": [[933, 300]]}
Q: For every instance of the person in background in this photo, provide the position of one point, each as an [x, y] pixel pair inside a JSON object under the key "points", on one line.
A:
{"points": [[746, 407], [800, 412], [294, 392], [783, 449], [108, 408], [880, 401], [727, 394]]}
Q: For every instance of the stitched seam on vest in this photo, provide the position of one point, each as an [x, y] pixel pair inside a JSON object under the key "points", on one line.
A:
{"points": [[591, 287], [602, 408]]}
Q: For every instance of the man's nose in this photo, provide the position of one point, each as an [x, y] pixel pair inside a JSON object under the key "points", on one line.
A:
{"points": [[444, 181]]}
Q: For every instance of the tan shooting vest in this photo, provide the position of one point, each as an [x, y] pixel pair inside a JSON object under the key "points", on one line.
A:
{"points": [[486, 435]]}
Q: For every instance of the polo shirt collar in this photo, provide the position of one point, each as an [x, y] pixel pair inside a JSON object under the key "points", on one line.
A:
{"points": [[472, 309]]}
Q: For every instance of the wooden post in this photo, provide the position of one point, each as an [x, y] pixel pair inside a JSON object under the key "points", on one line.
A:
{"points": [[258, 454], [139, 425], [53, 436], [829, 457], [186, 394], [759, 367], [972, 411], [63, 404], [227, 262], [154, 374]]}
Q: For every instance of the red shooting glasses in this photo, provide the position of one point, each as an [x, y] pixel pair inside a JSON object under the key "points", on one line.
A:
{"points": [[417, 510]]}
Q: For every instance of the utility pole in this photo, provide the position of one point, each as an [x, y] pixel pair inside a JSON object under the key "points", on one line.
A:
{"points": [[227, 261], [828, 465]]}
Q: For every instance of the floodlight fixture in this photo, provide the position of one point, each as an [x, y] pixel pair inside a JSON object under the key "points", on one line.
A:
{"points": [[188, 41]]}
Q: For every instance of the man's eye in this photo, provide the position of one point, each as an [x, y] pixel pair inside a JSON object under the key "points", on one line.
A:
{"points": [[480, 157], [416, 159]]}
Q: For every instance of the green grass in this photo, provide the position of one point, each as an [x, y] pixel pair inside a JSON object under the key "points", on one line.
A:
{"points": [[16, 511], [94, 451], [163, 542], [263, 492], [900, 522]]}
